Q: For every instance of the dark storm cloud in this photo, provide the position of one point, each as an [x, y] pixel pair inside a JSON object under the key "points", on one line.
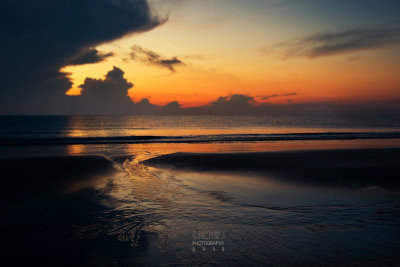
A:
{"points": [[40, 37], [343, 41], [276, 95], [88, 56], [139, 53]]}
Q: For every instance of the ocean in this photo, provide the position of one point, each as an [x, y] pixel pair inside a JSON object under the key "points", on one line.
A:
{"points": [[159, 129], [200, 190]]}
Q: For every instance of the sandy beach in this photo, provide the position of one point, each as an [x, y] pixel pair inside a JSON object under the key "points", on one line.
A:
{"points": [[284, 208], [41, 198], [38, 174], [344, 167]]}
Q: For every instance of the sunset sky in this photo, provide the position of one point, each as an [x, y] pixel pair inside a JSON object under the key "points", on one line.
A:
{"points": [[229, 47], [274, 51]]}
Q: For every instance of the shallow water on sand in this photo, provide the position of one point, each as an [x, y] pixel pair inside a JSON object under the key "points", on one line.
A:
{"points": [[152, 216], [260, 221]]}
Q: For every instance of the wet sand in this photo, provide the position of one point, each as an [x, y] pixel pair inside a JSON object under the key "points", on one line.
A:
{"points": [[22, 176], [352, 168], [41, 200], [336, 207], [92, 211]]}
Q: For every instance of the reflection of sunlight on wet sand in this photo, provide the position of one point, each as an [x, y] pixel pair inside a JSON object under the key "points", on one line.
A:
{"points": [[144, 195], [145, 151], [254, 213], [75, 149], [75, 132], [137, 183], [165, 148], [266, 190]]}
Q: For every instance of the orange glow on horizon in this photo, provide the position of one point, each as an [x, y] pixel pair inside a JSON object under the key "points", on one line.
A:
{"points": [[217, 72]]}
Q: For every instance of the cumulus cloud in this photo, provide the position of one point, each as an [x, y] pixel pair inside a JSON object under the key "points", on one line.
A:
{"points": [[172, 108], [139, 53], [235, 101], [41, 37], [238, 104], [342, 41], [109, 96], [235, 104]]}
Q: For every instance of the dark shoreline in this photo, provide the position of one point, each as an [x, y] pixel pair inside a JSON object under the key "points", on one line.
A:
{"points": [[29, 174], [38, 188], [350, 168], [45, 203]]}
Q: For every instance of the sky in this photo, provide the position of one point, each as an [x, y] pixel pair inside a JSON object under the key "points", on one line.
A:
{"points": [[198, 56]]}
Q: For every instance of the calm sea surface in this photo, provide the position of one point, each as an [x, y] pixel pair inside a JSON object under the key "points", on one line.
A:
{"points": [[126, 135], [161, 129]]}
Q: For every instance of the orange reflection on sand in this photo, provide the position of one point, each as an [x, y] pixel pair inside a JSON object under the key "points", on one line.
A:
{"points": [[153, 149], [75, 149]]}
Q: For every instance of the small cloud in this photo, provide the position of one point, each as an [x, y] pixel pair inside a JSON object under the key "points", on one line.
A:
{"points": [[235, 104], [276, 95], [235, 100], [141, 54], [340, 42]]}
